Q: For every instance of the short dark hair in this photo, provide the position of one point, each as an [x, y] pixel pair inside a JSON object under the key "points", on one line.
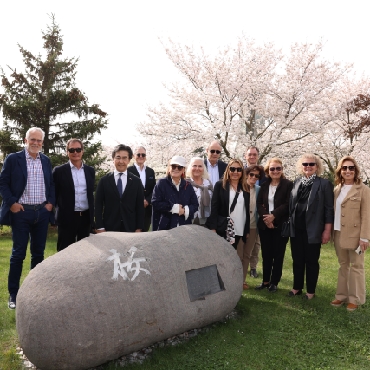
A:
{"points": [[75, 141], [253, 147], [120, 147], [249, 169]]}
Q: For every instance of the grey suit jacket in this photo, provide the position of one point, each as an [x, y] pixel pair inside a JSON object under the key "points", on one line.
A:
{"points": [[320, 208]]}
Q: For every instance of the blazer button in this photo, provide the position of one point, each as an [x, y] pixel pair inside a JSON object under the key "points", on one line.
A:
{"points": [[342, 224], [342, 215]]}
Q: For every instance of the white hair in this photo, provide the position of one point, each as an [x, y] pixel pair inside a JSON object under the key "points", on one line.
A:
{"points": [[35, 129]]}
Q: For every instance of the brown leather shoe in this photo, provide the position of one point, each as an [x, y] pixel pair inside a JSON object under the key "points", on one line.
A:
{"points": [[245, 286], [351, 307], [336, 303]]}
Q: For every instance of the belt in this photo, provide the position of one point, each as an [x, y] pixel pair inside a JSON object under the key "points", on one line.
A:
{"points": [[80, 213], [33, 207]]}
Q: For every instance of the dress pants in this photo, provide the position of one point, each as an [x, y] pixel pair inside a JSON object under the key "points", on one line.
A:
{"points": [[305, 259], [69, 234], [245, 250], [351, 274], [255, 253], [147, 218], [273, 247], [27, 224]]}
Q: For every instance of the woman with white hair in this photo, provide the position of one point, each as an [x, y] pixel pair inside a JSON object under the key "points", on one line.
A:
{"points": [[174, 200], [311, 208], [197, 175]]}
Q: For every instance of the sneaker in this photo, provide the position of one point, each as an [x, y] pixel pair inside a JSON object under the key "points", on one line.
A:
{"points": [[336, 303], [351, 307], [254, 273], [12, 302]]}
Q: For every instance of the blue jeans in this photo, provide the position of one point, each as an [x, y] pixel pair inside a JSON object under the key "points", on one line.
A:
{"points": [[27, 224]]}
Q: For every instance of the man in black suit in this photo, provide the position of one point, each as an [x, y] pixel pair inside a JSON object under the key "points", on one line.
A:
{"points": [[119, 198], [74, 190], [215, 167], [147, 177]]}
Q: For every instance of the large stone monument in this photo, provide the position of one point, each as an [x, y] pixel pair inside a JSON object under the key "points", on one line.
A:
{"points": [[114, 293]]}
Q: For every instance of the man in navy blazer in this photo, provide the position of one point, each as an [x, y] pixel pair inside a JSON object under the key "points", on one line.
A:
{"points": [[119, 197], [27, 189], [74, 192], [147, 177]]}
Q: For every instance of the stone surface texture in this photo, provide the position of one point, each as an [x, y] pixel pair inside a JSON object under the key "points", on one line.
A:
{"points": [[75, 310]]}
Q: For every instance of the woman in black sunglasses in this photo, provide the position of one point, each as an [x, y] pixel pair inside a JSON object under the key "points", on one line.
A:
{"points": [[230, 205], [311, 219], [174, 200], [351, 233], [273, 208], [253, 174]]}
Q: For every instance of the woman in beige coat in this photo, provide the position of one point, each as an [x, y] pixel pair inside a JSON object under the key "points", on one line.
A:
{"points": [[351, 233]]}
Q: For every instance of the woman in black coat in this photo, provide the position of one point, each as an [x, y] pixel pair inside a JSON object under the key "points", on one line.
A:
{"points": [[312, 209], [273, 209], [231, 199]]}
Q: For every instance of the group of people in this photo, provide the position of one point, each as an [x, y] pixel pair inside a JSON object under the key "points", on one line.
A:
{"points": [[252, 207]]}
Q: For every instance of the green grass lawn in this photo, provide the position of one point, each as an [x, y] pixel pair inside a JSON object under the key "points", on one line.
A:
{"points": [[272, 331]]}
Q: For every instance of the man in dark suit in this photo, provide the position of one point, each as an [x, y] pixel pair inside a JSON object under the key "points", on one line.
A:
{"points": [[147, 177], [27, 189], [74, 191], [215, 166], [119, 198]]}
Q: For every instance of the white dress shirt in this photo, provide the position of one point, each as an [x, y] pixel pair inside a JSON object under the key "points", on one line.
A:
{"points": [[79, 181], [123, 178], [141, 173]]}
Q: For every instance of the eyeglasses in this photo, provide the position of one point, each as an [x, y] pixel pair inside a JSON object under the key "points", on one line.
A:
{"points": [[72, 150], [141, 155], [350, 168], [213, 151], [256, 175], [176, 166], [311, 164], [277, 169], [197, 166], [237, 169]]}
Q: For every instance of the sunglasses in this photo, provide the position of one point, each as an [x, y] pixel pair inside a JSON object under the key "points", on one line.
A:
{"points": [[256, 175], [141, 155], [237, 169], [72, 150], [350, 168], [176, 166], [213, 151], [277, 169], [311, 164]]}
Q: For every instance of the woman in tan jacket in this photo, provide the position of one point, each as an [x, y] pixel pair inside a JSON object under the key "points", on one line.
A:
{"points": [[351, 233]]}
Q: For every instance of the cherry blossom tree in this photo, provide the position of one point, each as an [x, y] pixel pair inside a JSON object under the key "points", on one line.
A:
{"points": [[286, 104]]}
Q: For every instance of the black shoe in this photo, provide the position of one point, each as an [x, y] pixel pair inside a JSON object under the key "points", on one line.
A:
{"points": [[262, 286], [254, 273], [12, 302], [292, 294], [273, 288], [307, 297]]}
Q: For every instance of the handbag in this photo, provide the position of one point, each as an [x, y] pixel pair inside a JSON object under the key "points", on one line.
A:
{"points": [[285, 229]]}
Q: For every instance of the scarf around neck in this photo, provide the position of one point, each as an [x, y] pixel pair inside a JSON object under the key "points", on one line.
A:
{"points": [[205, 198]]}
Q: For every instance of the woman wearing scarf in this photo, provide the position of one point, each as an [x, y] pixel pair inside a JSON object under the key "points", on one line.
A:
{"points": [[230, 202], [312, 216], [197, 175]]}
